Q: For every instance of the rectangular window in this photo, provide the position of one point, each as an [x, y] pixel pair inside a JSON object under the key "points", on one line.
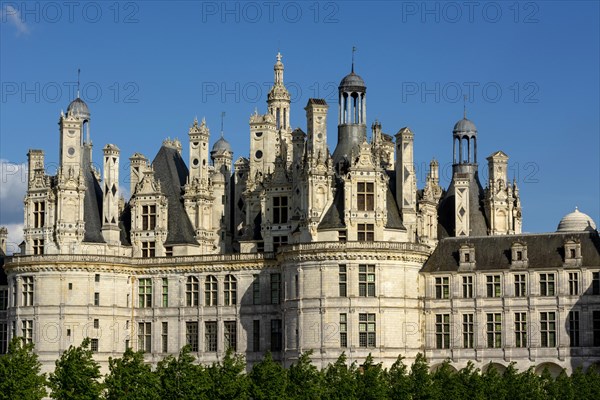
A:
{"points": [[442, 288], [279, 241], [165, 292], [595, 282], [145, 337], [96, 323], [148, 217], [145, 293], [365, 196], [366, 280], [256, 335], [494, 330], [366, 330], [573, 283], [343, 330], [210, 291], [468, 331], [342, 236], [27, 331], [230, 328], [280, 209], [165, 337], [442, 331], [596, 328], [275, 288], [94, 345], [256, 289], [3, 337], [38, 247], [14, 292], [276, 338], [3, 299], [343, 281], [210, 336], [366, 233], [574, 328], [547, 284], [548, 329], [27, 290], [168, 251], [230, 290], [148, 249], [191, 335], [520, 286], [39, 212], [493, 286], [97, 299], [467, 282], [192, 289], [521, 329], [97, 278]]}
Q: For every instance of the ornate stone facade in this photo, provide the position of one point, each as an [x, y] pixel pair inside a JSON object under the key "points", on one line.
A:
{"points": [[296, 248]]}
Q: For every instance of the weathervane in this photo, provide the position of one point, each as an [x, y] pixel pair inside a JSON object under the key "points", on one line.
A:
{"points": [[353, 51], [465, 106], [78, 74]]}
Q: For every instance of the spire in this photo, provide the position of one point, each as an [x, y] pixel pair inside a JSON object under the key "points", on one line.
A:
{"points": [[222, 122], [465, 106], [353, 51], [78, 74], [278, 68]]}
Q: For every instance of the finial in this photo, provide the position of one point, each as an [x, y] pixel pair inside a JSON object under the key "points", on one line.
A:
{"points": [[222, 121], [576, 209], [78, 74], [279, 56], [353, 51], [465, 106]]}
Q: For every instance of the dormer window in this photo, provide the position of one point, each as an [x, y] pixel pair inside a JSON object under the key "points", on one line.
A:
{"points": [[365, 192], [518, 254], [573, 252], [466, 257]]}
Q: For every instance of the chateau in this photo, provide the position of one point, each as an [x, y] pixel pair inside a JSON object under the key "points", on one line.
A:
{"points": [[295, 247]]}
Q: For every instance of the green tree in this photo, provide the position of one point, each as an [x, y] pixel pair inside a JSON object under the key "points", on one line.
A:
{"points": [[304, 379], [228, 378], [181, 378], [340, 380], [446, 383], [398, 380], [129, 378], [493, 387], [562, 388], [76, 375], [593, 379], [20, 376], [471, 381], [371, 382], [269, 379], [421, 385]]}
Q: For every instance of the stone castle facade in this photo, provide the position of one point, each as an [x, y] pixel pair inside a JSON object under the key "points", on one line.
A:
{"points": [[296, 248]]}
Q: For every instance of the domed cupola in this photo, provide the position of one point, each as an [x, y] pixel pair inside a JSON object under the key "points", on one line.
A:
{"points": [[352, 82], [464, 137], [221, 146], [576, 222], [78, 108]]}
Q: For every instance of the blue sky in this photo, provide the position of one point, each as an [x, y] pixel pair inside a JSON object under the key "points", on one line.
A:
{"points": [[530, 70]]}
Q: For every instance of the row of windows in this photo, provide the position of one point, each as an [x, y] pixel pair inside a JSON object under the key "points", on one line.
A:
{"points": [[547, 285], [493, 330], [366, 280]]}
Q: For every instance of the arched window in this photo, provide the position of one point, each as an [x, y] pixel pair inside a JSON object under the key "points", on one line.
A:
{"points": [[210, 291], [230, 290], [192, 291]]}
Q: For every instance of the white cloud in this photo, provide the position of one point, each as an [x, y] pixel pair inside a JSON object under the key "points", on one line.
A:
{"points": [[15, 237], [13, 185], [13, 16]]}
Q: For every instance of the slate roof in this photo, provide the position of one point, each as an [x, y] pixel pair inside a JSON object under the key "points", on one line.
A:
{"points": [[477, 219], [394, 219], [494, 252], [3, 278], [171, 171], [92, 202], [334, 216]]}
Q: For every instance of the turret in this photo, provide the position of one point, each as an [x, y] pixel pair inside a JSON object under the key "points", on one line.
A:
{"points": [[110, 203]]}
